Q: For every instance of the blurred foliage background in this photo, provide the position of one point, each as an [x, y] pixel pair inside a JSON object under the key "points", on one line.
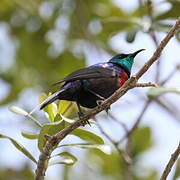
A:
{"points": [[45, 40]]}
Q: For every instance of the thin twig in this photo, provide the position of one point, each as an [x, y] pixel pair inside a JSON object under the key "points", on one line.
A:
{"points": [[123, 125], [172, 73], [128, 134], [124, 154], [54, 140], [146, 84], [152, 33], [159, 49], [169, 107], [170, 164]]}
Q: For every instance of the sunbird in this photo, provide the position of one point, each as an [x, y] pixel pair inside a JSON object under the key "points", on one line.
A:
{"points": [[89, 86]]}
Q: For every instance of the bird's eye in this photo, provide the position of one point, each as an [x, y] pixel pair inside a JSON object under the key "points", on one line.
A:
{"points": [[122, 56]]}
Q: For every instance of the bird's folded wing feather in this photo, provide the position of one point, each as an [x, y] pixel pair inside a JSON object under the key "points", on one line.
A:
{"points": [[88, 73]]}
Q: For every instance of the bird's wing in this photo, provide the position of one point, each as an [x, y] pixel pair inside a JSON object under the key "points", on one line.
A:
{"points": [[88, 73]]}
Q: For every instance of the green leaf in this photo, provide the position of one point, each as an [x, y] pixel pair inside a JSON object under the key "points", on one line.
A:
{"points": [[67, 108], [177, 170], [172, 13], [21, 111], [49, 129], [155, 92], [28, 135], [88, 136], [18, 110], [51, 109], [68, 159], [130, 35], [141, 140], [104, 147], [70, 121], [63, 106], [20, 147], [57, 118]]}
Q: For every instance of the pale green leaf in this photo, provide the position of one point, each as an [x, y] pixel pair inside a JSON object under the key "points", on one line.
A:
{"points": [[104, 147], [155, 92], [88, 136], [68, 159], [67, 119], [177, 170], [28, 135], [20, 147], [130, 35], [50, 109], [70, 121], [18, 110], [49, 129], [21, 111], [63, 106]]}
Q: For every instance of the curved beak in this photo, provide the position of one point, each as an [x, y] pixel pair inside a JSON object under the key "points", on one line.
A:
{"points": [[135, 53]]}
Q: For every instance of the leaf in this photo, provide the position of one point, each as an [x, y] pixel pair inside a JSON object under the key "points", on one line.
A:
{"points": [[53, 128], [172, 13], [130, 35], [69, 159], [51, 109], [34, 120], [141, 140], [63, 106], [21, 111], [20, 147], [155, 92], [67, 119], [104, 148], [57, 118], [49, 129], [18, 110], [67, 108], [177, 170], [70, 121], [88, 136], [29, 135]]}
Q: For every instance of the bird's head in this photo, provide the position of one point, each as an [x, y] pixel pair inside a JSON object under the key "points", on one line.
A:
{"points": [[125, 60]]}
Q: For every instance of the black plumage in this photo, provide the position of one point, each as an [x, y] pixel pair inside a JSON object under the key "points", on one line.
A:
{"points": [[89, 86]]}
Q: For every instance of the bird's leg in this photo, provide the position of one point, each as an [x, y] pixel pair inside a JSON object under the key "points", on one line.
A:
{"points": [[80, 114], [99, 102], [107, 109]]}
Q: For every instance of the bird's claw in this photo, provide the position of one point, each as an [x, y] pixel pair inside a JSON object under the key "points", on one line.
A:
{"points": [[99, 102], [84, 122], [107, 109]]}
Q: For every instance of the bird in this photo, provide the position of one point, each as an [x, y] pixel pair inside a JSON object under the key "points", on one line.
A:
{"points": [[90, 86]]}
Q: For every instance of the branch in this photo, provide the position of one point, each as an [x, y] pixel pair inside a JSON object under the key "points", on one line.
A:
{"points": [[146, 84], [172, 73], [171, 162], [152, 33], [128, 134], [123, 125], [54, 140], [159, 49], [124, 154]]}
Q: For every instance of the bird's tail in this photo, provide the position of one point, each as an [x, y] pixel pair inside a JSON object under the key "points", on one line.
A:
{"points": [[51, 99], [47, 101]]}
